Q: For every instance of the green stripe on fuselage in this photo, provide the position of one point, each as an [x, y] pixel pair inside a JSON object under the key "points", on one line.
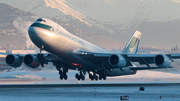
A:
{"points": [[42, 26]]}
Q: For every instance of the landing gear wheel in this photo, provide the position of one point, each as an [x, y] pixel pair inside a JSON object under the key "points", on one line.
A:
{"points": [[65, 77], [83, 78], [77, 76], [96, 78], [92, 78], [100, 77], [61, 77], [104, 77], [40, 55]]}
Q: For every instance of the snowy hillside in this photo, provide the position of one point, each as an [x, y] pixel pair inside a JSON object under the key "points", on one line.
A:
{"points": [[117, 19], [124, 12]]}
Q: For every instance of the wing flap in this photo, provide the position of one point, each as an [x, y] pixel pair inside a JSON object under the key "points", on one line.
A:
{"points": [[143, 59], [4, 53], [146, 68], [173, 56]]}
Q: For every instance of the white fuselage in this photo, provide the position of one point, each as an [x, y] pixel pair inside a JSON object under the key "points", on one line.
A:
{"points": [[55, 39]]}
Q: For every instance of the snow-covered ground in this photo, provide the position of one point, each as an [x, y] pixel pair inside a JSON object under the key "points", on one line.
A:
{"points": [[52, 77], [109, 93]]}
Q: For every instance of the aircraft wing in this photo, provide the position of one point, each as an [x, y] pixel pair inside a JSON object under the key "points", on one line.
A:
{"points": [[47, 56], [95, 57], [32, 60], [4, 53], [148, 58], [142, 59]]}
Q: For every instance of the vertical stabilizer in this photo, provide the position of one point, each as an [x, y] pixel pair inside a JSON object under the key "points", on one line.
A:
{"points": [[132, 45]]}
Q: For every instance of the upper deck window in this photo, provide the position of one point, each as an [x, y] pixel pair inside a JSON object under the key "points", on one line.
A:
{"points": [[40, 20]]}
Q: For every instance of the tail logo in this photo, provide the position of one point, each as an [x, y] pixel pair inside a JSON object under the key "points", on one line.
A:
{"points": [[132, 46]]}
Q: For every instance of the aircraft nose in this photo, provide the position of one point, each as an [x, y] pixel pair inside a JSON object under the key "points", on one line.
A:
{"points": [[36, 35], [32, 30], [39, 33]]}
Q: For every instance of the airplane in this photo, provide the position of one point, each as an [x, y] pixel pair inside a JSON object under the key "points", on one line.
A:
{"points": [[69, 52]]}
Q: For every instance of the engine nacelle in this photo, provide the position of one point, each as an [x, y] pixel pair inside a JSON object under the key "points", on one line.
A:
{"points": [[162, 60], [31, 61], [13, 60], [117, 60]]}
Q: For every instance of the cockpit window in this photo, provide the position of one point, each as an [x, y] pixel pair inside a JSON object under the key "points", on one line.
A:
{"points": [[40, 20], [40, 25]]}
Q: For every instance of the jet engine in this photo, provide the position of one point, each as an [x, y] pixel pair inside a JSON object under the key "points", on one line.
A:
{"points": [[31, 61], [162, 60], [117, 61], [13, 60]]}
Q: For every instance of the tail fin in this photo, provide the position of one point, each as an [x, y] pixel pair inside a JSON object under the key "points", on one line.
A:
{"points": [[132, 45]]}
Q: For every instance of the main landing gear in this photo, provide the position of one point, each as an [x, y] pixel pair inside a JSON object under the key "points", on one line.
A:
{"points": [[102, 75], [95, 77], [80, 76], [63, 74], [62, 70]]}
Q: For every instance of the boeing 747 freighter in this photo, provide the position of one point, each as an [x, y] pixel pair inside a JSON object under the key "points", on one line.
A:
{"points": [[67, 51]]}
